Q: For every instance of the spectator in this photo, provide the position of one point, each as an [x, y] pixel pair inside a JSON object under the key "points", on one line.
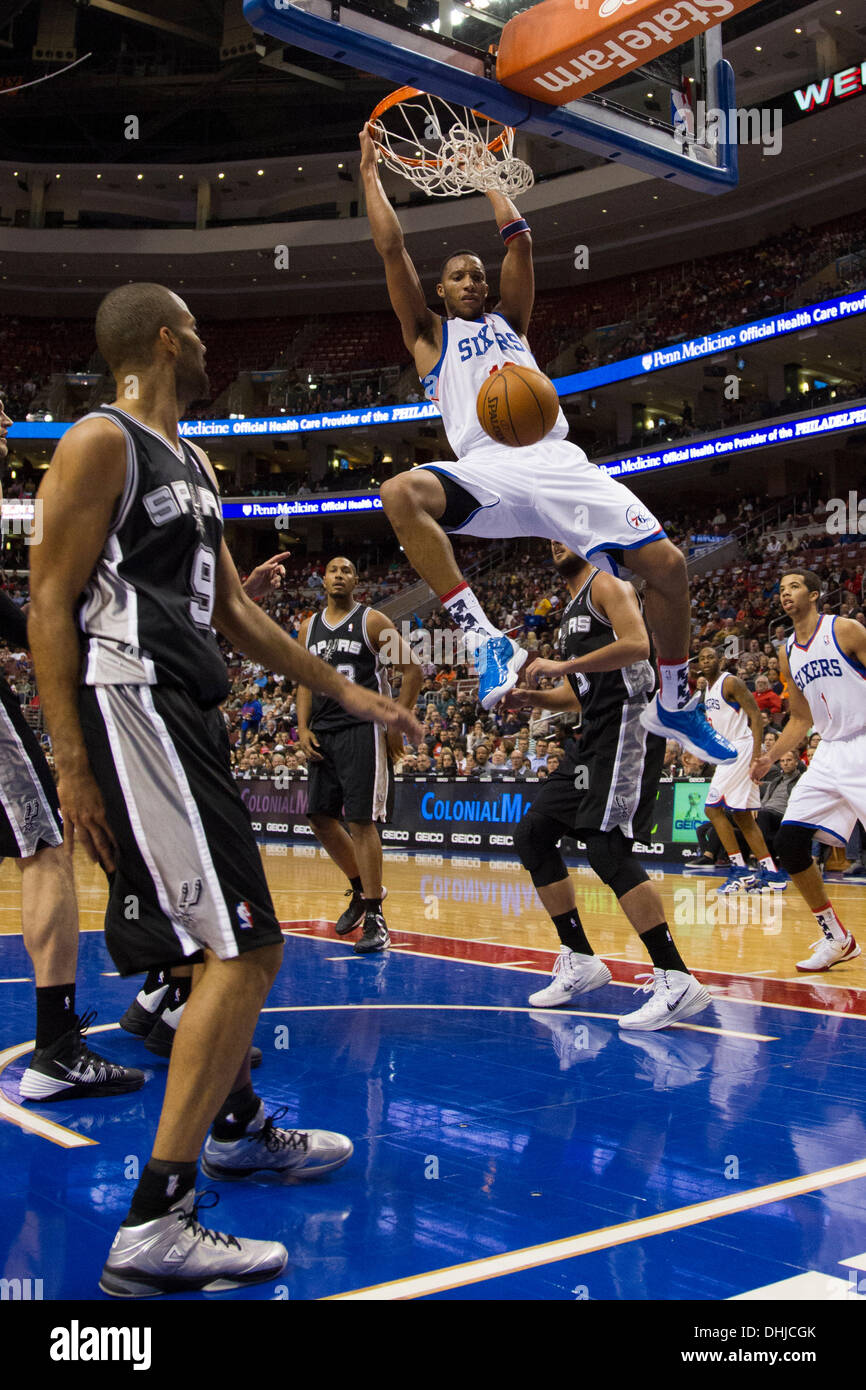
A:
{"points": [[776, 788]]}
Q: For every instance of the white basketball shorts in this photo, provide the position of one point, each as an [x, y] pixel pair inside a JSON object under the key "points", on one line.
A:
{"points": [[552, 490], [830, 797], [732, 787]]}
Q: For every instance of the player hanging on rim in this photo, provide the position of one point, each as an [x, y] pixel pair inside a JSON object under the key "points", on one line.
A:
{"points": [[823, 664], [349, 759], [733, 712], [605, 795], [550, 489]]}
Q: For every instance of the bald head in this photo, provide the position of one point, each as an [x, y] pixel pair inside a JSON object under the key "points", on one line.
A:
{"points": [[129, 321]]}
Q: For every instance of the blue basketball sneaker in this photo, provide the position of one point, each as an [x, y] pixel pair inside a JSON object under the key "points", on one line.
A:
{"points": [[499, 663], [772, 878], [740, 881], [691, 728]]}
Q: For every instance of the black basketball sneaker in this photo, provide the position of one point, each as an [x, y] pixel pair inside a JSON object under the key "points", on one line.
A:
{"points": [[68, 1069], [374, 936], [355, 912], [160, 1039]]}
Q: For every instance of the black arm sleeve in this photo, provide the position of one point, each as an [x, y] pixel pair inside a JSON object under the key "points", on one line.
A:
{"points": [[13, 624]]}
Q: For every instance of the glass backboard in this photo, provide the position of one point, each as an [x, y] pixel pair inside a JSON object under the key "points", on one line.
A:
{"points": [[449, 48]]}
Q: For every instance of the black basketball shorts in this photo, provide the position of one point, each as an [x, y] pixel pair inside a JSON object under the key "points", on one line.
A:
{"points": [[188, 872], [29, 809], [354, 779], [613, 780]]}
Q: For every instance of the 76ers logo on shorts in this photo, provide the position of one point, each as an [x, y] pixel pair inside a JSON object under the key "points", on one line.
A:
{"points": [[245, 916], [639, 519]]}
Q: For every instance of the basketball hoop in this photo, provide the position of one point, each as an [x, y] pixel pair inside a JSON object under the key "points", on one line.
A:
{"points": [[447, 150]]}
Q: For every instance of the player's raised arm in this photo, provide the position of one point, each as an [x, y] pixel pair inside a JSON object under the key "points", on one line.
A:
{"points": [[517, 276], [616, 601], [417, 320]]}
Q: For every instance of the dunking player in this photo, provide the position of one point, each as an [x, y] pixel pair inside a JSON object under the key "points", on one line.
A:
{"points": [[131, 572], [549, 490], [823, 663], [733, 712], [62, 1066], [606, 796], [349, 759]]}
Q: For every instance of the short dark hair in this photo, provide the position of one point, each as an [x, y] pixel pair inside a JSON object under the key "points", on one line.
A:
{"points": [[454, 254], [343, 557], [809, 578], [128, 322]]}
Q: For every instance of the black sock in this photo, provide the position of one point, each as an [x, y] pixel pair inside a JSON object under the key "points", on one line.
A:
{"points": [[235, 1113], [662, 948], [571, 932], [178, 991], [160, 1187], [155, 980], [55, 1013], [373, 905], [356, 886]]}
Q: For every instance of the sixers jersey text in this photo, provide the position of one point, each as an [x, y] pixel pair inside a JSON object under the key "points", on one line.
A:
{"points": [[471, 350]]}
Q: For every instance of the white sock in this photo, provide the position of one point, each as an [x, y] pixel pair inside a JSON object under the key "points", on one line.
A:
{"points": [[830, 924], [737, 861], [768, 864], [463, 608], [674, 690]]}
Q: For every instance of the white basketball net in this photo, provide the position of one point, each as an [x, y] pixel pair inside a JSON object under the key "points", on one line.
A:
{"points": [[445, 150]]}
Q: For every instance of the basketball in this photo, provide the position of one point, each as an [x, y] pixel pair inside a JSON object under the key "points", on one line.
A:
{"points": [[517, 406]]}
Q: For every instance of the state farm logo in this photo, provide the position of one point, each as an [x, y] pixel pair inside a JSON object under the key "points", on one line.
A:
{"points": [[611, 6], [502, 839], [395, 834], [275, 825], [424, 837], [298, 829], [466, 839]]}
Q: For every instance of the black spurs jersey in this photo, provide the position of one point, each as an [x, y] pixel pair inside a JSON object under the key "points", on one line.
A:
{"points": [[145, 613], [602, 694], [348, 649]]}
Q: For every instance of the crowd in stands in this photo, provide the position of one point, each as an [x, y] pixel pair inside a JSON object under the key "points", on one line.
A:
{"points": [[325, 355], [735, 609]]}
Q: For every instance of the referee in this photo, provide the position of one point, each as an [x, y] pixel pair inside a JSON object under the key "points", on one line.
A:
{"points": [[350, 772]]}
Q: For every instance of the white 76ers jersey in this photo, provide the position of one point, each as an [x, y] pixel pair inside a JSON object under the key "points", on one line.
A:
{"points": [[471, 350], [726, 716], [833, 684]]}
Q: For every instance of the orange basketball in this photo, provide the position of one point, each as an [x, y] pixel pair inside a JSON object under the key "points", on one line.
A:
{"points": [[517, 406]]}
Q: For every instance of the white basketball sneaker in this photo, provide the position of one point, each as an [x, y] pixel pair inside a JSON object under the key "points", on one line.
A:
{"points": [[828, 952], [174, 1254], [572, 974], [674, 995], [299, 1153]]}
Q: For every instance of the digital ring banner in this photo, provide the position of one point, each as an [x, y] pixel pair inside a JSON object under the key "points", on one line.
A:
{"points": [[438, 814]]}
